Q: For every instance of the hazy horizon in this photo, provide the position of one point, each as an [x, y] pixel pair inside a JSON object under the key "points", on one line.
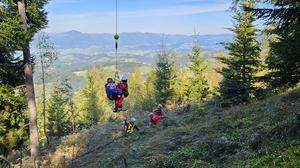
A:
{"points": [[225, 33]]}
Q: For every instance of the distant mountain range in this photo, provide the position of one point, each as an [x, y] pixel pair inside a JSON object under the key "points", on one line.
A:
{"points": [[136, 41]]}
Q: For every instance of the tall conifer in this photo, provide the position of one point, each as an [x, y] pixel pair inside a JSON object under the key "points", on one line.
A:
{"points": [[59, 123], [164, 75], [284, 56], [20, 20], [198, 89], [91, 108], [243, 61]]}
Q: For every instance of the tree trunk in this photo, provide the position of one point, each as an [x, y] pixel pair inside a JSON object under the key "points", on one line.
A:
{"points": [[44, 100], [33, 127], [73, 118], [34, 142], [125, 162]]}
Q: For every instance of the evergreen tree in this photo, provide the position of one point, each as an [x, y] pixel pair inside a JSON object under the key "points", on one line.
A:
{"points": [[137, 90], [92, 102], [58, 117], [14, 129], [181, 86], [73, 116], [11, 68], [198, 88], [90, 108], [284, 60], [284, 56], [24, 18], [164, 76], [13, 119], [243, 62], [150, 100]]}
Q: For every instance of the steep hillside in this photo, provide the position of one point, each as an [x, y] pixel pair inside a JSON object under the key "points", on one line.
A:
{"points": [[265, 133]]}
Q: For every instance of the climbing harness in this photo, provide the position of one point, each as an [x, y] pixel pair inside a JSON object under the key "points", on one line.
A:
{"points": [[130, 128], [116, 37]]}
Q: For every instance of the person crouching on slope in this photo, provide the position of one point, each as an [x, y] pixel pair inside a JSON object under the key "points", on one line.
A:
{"points": [[130, 126], [157, 115]]}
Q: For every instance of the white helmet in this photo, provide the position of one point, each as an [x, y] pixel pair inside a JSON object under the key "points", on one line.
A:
{"points": [[160, 106], [132, 119], [124, 78]]}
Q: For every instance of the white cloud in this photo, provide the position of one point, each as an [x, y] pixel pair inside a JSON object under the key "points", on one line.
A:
{"points": [[134, 20], [177, 11], [170, 11]]}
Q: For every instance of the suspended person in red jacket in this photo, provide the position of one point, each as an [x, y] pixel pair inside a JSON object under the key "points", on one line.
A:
{"points": [[157, 115], [117, 92], [123, 88]]}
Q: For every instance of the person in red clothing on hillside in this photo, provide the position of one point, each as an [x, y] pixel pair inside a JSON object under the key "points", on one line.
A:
{"points": [[117, 92], [157, 115], [123, 88]]}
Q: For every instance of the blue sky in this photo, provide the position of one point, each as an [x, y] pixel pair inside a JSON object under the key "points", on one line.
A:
{"points": [[157, 16]]}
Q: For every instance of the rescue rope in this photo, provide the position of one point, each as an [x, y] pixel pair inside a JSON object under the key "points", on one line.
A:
{"points": [[116, 37]]}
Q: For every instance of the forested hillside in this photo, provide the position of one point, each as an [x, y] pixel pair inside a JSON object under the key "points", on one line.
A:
{"points": [[260, 134], [151, 100]]}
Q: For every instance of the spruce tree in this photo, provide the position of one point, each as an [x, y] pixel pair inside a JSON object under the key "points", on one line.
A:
{"points": [[137, 90], [27, 17], [90, 108], [14, 129], [284, 59], [94, 107], [13, 119], [11, 67], [164, 76], [73, 116], [150, 100], [243, 62], [181, 86], [198, 88], [59, 123], [11, 72]]}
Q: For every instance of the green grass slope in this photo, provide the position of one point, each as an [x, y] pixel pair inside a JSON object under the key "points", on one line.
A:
{"points": [[263, 133]]}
